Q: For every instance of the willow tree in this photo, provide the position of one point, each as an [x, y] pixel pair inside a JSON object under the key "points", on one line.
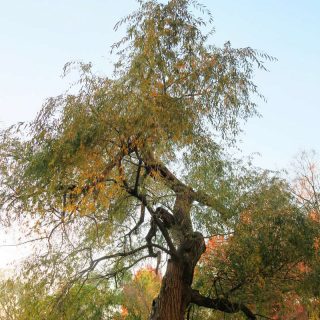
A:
{"points": [[101, 173]]}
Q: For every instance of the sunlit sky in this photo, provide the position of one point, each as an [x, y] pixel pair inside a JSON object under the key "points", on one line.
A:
{"points": [[38, 37]]}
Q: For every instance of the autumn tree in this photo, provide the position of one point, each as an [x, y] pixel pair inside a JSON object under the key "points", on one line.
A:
{"points": [[269, 258], [129, 167], [138, 294], [306, 182]]}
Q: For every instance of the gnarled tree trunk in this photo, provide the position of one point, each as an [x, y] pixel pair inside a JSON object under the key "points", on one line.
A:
{"points": [[175, 293]]}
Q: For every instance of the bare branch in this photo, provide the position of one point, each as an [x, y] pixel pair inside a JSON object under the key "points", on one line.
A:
{"points": [[152, 233], [164, 231], [22, 243], [140, 222]]}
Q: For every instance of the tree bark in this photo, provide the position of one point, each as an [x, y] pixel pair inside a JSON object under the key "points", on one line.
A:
{"points": [[175, 292], [174, 295]]}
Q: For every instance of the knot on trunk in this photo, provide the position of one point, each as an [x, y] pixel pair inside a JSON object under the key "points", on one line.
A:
{"points": [[166, 217], [190, 252], [192, 247]]}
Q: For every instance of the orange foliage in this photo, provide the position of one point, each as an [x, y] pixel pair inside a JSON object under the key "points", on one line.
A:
{"points": [[124, 312], [148, 270], [303, 268], [314, 216], [245, 217], [140, 292], [214, 247], [294, 309]]}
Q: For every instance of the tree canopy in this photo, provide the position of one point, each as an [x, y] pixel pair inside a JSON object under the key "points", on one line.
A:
{"points": [[132, 168]]}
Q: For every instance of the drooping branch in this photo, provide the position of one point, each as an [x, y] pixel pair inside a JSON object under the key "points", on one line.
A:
{"points": [[95, 262], [221, 304], [136, 185]]}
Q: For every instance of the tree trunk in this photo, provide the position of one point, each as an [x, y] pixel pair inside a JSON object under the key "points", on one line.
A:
{"points": [[174, 295], [175, 292]]}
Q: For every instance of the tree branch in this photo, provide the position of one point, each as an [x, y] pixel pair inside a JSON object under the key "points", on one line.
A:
{"points": [[172, 182], [140, 222], [162, 228], [152, 233], [221, 304], [170, 179], [208, 201]]}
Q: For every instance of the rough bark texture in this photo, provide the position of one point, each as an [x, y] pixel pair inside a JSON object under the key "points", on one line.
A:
{"points": [[175, 293]]}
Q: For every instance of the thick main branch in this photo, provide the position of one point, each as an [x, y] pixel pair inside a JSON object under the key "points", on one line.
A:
{"points": [[177, 186], [221, 304]]}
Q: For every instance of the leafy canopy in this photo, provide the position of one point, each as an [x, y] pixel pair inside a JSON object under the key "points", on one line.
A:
{"points": [[171, 91]]}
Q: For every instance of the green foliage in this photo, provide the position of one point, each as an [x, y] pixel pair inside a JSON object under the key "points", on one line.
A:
{"points": [[268, 254], [65, 171], [25, 301]]}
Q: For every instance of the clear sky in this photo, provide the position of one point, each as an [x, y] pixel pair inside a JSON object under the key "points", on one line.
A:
{"points": [[38, 37]]}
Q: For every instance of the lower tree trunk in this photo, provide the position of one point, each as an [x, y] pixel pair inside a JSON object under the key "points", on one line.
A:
{"points": [[175, 292], [174, 296]]}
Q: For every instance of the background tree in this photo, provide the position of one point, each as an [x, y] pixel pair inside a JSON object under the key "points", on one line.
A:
{"points": [[129, 168], [139, 293], [31, 300], [306, 182], [268, 259]]}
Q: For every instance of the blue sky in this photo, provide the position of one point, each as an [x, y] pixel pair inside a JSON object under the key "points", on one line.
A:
{"points": [[290, 31], [38, 36]]}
